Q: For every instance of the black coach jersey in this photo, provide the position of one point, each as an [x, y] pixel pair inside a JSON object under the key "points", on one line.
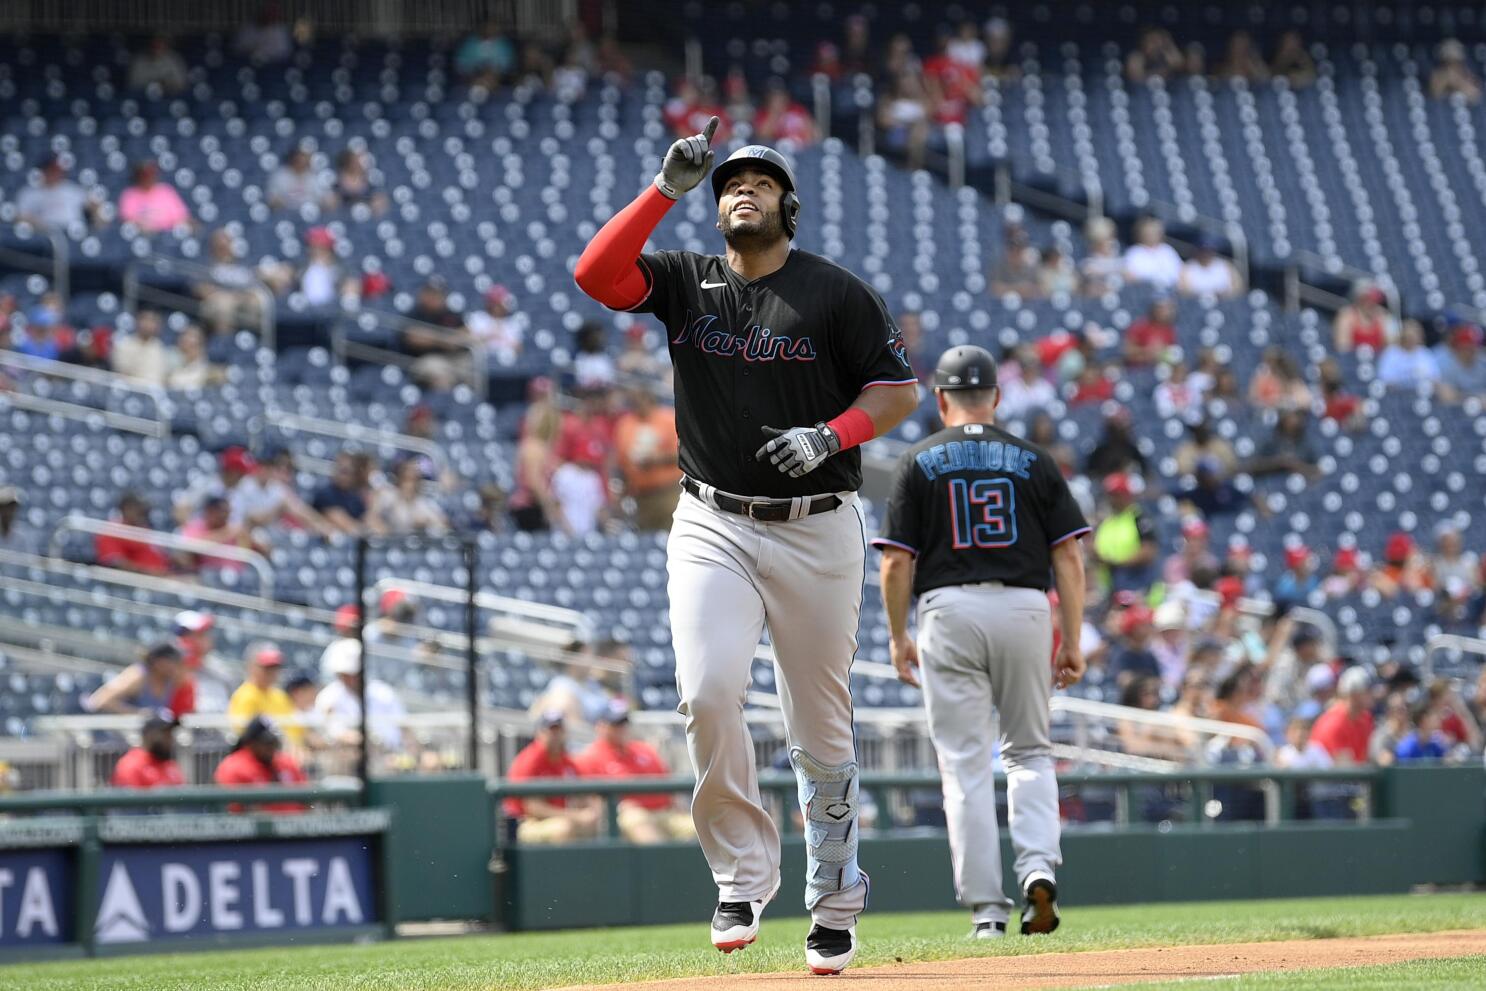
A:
{"points": [[791, 349], [977, 504]]}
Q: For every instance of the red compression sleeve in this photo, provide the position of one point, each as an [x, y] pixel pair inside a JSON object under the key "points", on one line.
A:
{"points": [[607, 269], [852, 428]]}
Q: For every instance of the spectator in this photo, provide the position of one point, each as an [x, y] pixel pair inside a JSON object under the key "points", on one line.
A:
{"points": [[1300, 580], [1125, 540], [1462, 372], [1345, 728], [260, 694], [131, 555], [302, 691], [534, 505], [1425, 741], [15, 533], [485, 60], [1451, 561], [1150, 259], [1016, 271], [498, 327], [1288, 450], [1171, 645], [613, 63], [152, 763], [1024, 390], [1339, 405], [298, 183], [212, 675], [56, 202], [1236, 698], [1055, 272], [1365, 322], [1103, 267], [1211, 493], [784, 120], [398, 611], [1292, 62], [151, 205], [1396, 725], [321, 280], [856, 48], [647, 445], [581, 494], [1132, 657], [190, 368], [1300, 751], [142, 355], [160, 66], [1348, 574], [1152, 336], [403, 507], [1452, 77], [1404, 569], [159, 682], [999, 61], [694, 104], [492, 514], [229, 299], [258, 759], [549, 820], [1242, 60], [339, 705], [343, 499], [1179, 396], [1204, 443], [579, 689], [639, 361], [593, 368], [1407, 363], [235, 482], [644, 819], [828, 62], [436, 338], [1461, 730], [266, 39], [953, 85], [1158, 57], [904, 113], [41, 335], [354, 185], [1208, 273], [1116, 451], [1194, 556], [213, 524], [1320, 680]]}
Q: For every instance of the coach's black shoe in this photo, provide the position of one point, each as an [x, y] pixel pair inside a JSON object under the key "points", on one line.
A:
{"points": [[1041, 913], [828, 951], [988, 930], [735, 924]]}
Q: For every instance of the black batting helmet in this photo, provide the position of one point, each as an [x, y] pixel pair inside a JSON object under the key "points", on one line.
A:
{"points": [[767, 159], [965, 367]]}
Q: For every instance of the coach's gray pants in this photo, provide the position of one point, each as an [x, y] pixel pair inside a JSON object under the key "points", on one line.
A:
{"points": [[729, 577], [985, 651]]}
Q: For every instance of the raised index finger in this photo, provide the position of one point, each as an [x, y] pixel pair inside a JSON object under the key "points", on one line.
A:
{"points": [[710, 129]]}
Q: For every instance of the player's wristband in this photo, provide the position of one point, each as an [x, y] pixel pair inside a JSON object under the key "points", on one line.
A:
{"points": [[852, 428]]}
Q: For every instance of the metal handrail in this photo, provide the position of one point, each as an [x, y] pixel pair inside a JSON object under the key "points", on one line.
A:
{"points": [[570, 620], [343, 347], [134, 798], [1449, 641], [1298, 291], [81, 413], [159, 427], [136, 291], [356, 432], [61, 270], [77, 523]]}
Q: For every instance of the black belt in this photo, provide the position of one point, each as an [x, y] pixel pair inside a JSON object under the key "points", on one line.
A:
{"points": [[763, 510]]}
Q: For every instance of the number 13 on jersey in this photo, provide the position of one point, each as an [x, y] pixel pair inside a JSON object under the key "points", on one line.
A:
{"points": [[982, 512]]}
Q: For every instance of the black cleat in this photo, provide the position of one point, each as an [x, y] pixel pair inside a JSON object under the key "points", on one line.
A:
{"points": [[828, 951], [1041, 913]]}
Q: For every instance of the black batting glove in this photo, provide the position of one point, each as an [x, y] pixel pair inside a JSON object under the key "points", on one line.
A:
{"points": [[798, 450]]}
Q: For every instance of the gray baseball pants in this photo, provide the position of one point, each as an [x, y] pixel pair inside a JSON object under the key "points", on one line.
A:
{"points": [[985, 654], [729, 577]]}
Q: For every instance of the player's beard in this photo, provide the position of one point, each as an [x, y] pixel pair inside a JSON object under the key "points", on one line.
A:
{"points": [[752, 233]]}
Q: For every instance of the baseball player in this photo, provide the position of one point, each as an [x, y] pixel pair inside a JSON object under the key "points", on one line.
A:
{"points": [[976, 522], [784, 364]]}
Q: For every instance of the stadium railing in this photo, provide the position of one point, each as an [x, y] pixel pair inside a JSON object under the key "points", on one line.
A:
{"points": [[1451, 642], [76, 523], [176, 296], [156, 426], [1278, 787], [53, 262], [383, 440], [376, 321]]}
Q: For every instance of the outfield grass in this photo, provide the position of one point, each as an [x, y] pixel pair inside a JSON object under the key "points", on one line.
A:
{"points": [[539, 960], [1458, 974]]}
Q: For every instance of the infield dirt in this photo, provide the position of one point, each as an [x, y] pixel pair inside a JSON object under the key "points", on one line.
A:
{"points": [[1105, 968]]}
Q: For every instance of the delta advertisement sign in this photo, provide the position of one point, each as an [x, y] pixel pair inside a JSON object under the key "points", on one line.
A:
{"points": [[159, 893]]}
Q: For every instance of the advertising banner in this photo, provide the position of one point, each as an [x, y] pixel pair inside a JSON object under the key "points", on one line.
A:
{"points": [[36, 896]]}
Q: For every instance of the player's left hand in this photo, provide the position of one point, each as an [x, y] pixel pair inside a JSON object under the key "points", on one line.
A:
{"points": [[1069, 666], [905, 659], [798, 450]]}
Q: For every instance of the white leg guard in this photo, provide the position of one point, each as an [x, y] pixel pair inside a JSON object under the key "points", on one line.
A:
{"points": [[828, 799]]}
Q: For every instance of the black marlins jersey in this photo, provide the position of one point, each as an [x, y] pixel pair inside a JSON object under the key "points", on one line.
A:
{"points": [[977, 504], [791, 349]]}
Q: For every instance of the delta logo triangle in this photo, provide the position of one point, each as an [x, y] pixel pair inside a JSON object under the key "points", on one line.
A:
{"points": [[121, 919]]}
